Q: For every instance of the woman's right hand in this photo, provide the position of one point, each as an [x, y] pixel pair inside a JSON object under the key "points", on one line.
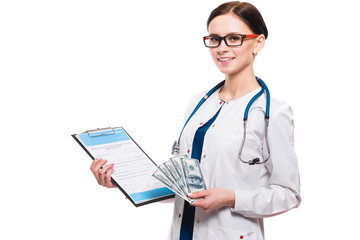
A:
{"points": [[102, 173]]}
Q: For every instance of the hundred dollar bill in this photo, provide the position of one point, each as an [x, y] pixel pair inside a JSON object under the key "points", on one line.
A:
{"points": [[177, 179], [159, 175], [170, 182], [193, 175], [176, 162]]}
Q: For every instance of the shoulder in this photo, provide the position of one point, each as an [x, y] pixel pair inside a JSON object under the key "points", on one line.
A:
{"points": [[278, 106], [196, 98], [193, 102], [280, 113], [281, 117]]}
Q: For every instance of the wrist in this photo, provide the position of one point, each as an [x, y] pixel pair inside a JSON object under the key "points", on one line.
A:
{"points": [[230, 202]]}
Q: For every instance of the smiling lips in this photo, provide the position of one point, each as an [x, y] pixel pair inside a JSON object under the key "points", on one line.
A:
{"points": [[225, 60]]}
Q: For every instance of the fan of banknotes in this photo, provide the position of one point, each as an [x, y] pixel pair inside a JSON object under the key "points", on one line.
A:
{"points": [[182, 175]]}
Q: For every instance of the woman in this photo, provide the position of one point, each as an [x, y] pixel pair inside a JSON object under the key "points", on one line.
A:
{"points": [[239, 195]]}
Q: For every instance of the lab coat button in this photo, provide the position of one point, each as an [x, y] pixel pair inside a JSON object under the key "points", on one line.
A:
{"points": [[197, 221], [204, 156], [213, 125], [179, 215]]}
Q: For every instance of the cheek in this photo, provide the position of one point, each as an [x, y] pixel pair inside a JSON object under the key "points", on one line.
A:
{"points": [[213, 54], [244, 56]]}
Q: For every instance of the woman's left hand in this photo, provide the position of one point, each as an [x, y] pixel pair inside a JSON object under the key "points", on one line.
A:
{"points": [[214, 198]]}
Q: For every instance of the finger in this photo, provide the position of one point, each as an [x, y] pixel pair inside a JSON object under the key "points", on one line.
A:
{"points": [[92, 168], [199, 194], [203, 203], [198, 203], [105, 174], [102, 174], [93, 163], [97, 164], [96, 169], [100, 164], [108, 182]]}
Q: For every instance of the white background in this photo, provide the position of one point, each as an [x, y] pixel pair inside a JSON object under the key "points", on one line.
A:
{"points": [[68, 66]]}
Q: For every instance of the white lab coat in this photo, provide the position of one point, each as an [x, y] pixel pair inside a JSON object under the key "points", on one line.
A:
{"points": [[260, 190]]}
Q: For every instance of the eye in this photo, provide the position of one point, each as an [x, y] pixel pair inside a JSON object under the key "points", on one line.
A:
{"points": [[234, 38], [214, 39]]}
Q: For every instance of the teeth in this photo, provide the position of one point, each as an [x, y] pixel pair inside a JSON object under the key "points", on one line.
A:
{"points": [[225, 59]]}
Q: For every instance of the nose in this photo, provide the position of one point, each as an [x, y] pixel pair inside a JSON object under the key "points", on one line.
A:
{"points": [[222, 47]]}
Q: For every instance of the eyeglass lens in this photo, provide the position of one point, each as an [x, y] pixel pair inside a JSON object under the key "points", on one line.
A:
{"points": [[230, 40]]}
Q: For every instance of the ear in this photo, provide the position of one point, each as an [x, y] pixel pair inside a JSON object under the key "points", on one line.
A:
{"points": [[259, 44]]}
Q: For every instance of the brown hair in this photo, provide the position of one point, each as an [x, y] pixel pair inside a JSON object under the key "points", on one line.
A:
{"points": [[245, 11]]}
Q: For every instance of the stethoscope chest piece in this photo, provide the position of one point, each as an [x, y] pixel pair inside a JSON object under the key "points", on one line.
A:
{"points": [[175, 148]]}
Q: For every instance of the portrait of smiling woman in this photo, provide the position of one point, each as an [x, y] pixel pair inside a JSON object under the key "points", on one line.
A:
{"points": [[250, 169]]}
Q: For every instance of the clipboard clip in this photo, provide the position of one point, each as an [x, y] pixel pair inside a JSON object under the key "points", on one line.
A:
{"points": [[92, 133]]}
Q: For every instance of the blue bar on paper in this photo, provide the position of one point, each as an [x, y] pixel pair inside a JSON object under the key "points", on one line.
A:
{"points": [[151, 194], [108, 137]]}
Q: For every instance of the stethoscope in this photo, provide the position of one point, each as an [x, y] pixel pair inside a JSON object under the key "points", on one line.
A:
{"points": [[264, 89]]}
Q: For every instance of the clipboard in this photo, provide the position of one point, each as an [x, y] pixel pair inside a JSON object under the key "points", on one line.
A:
{"points": [[118, 147]]}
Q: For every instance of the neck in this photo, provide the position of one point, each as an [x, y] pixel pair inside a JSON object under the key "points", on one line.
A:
{"points": [[238, 86]]}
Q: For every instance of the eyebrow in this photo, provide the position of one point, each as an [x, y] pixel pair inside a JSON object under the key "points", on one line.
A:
{"points": [[217, 35]]}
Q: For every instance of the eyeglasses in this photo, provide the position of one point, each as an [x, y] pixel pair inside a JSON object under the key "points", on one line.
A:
{"points": [[230, 40]]}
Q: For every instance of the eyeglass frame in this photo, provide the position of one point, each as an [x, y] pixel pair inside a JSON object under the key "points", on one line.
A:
{"points": [[243, 36]]}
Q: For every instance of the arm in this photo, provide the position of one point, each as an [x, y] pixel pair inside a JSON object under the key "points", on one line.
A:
{"points": [[282, 192]]}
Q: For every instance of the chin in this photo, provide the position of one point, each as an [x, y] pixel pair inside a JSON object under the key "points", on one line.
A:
{"points": [[232, 70], [227, 70]]}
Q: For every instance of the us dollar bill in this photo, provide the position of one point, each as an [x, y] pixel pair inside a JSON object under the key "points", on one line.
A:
{"points": [[182, 175], [193, 176], [163, 175], [176, 163], [175, 176], [159, 175]]}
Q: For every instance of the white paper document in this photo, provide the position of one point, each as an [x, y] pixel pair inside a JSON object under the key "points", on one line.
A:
{"points": [[133, 169]]}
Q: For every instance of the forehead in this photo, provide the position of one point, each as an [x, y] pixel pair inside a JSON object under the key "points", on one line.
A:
{"points": [[228, 23]]}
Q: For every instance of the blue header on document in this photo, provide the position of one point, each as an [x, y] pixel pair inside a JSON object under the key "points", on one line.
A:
{"points": [[151, 194], [104, 137]]}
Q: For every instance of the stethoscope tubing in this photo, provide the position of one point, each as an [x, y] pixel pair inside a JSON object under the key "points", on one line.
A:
{"points": [[264, 88], [208, 94]]}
